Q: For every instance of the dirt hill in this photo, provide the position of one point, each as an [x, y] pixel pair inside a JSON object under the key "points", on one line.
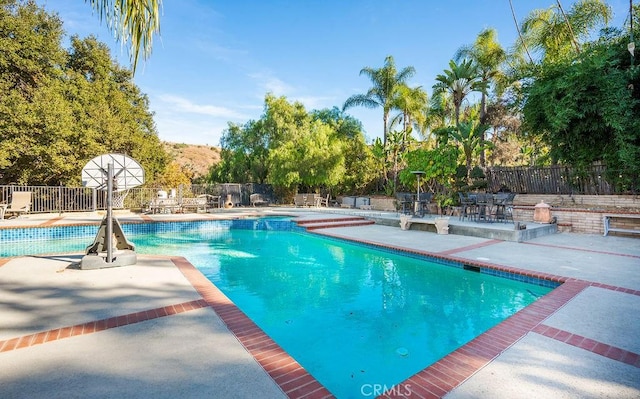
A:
{"points": [[197, 158]]}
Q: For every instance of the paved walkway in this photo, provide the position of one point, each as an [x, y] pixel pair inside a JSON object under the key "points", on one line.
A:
{"points": [[159, 329]]}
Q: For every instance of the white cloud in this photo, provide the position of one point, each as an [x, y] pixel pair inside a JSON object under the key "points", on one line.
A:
{"points": [[177, 103], [311, 102], [271, 84]]}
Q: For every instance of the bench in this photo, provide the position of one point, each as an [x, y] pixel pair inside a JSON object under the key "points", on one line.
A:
{"points": [[196, 204], [441, 223], [164, 205], [606, 219]]}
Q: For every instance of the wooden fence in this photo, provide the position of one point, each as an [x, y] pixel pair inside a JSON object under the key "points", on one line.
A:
{"points": [[562, 180]]}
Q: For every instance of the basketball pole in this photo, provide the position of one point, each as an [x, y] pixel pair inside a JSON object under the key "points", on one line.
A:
{"points": [[109, 234]]}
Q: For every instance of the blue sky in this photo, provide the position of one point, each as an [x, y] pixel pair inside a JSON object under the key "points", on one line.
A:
{"points": [[215, 60]]}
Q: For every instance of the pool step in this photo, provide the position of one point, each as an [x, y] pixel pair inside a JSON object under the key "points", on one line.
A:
{"points": [[313, 224]]}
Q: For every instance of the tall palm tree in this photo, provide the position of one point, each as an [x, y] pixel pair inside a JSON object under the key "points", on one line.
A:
{"points": [[412, 103], [555, 33], [488, 56], [132, 21], [459, 81], [386, 82]]}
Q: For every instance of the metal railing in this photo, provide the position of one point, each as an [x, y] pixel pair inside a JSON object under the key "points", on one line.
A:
{"points": [[56, 199]]}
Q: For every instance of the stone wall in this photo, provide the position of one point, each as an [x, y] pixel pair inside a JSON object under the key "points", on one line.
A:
{"points": [[581, 213], [575, 213]]}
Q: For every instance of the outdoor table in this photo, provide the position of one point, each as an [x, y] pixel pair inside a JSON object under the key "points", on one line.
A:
{"points": [[484, 204]]}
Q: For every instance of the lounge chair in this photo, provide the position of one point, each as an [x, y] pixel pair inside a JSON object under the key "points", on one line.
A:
{"points": [[20, 203], [258, 199]]}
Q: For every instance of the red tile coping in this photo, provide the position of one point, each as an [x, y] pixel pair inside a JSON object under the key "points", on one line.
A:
{"points": [[434, 381], [51, 222], [470, 247], [328, 225], [328, 220], [99, 325], [585, 343], [146, 218], [581, 249], [441, 377], [4, 261], [292, 378]]}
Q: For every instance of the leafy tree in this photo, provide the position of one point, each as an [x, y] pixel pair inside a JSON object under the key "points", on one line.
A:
{"points": [[244, 154], [60, 109], [292, 149], [586, 109], [439, 165], [360, 165]]}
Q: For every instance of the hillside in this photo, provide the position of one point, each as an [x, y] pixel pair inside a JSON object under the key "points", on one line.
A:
{"points": [[197, 158]]}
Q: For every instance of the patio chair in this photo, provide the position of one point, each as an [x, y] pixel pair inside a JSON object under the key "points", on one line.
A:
{"points": [[425, 200], [404, 202], [467, 206], [323, 201], [504, 206], [20, 203], [484, 207]]}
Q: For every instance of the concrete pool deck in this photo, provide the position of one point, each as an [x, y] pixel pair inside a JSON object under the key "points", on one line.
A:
{"points": [[158, 330]]}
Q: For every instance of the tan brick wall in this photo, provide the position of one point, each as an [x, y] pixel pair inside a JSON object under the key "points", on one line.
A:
{"points": [[581, 201], [580, 213]]}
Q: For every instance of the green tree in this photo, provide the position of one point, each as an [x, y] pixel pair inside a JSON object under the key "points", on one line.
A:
{"points": [[469, 135], [458, 82], [413, 104], [386, 82], [303, 151], [360, 165], [586, 109], [60, 109], [111, 113], [439, 165], [489, 56], [244, 154], [133, 21], [554, 34]]}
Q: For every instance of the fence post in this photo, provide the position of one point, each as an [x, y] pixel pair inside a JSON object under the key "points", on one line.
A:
{"points": [[94, 199]]}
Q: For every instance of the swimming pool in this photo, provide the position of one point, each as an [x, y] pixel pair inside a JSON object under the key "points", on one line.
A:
{"points": [[352, 315]]}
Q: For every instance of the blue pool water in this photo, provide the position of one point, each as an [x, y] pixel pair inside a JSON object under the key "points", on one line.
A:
{"points": [[352, 315]]}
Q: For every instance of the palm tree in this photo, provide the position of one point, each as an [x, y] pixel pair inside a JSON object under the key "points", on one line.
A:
{"points": [[470, 136], [554, 32], [458, 81], [386, 82], [132, 21], [412, 102], [488, 56]]}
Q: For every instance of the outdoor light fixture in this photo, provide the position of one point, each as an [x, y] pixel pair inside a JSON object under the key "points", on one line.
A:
{"points": [[631, 47]]}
